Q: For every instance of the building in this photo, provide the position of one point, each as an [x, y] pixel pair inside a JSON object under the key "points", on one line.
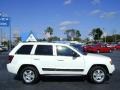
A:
{"points": [[31, 38]]}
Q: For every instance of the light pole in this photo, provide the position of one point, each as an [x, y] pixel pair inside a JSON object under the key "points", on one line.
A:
{"points": [[105, 35], [10, 42], [114, 35]]}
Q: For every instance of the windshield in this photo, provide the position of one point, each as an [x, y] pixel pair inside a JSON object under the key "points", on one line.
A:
{"points": [[79, 48]]}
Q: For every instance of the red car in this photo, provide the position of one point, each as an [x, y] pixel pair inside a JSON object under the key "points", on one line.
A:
{"points": [[99, 49], [85, 48], [111, 46], [117, 47]]}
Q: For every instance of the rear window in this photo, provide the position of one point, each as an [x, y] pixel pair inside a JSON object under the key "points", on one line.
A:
{"points": [[44, 50], [25, 49]]}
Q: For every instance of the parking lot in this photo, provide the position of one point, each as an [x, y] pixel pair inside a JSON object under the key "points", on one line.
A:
{"points": [[9, 82]]}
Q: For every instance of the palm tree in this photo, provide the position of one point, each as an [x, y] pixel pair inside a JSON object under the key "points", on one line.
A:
{"points": [[49, 30]]}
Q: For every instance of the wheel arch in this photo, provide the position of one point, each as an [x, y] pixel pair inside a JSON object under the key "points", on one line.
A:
{"points": [[101, 65], [26, 65]]}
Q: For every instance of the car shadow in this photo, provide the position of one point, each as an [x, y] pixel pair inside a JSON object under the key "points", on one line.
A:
{"points": [[59, 78], [62, 78]]}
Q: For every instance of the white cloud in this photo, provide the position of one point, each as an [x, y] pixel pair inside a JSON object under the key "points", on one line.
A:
{"points": [[94, 12], [63, 28], [67, 23], [96, 2], [66, 2], [103, 14], [108, 14]]}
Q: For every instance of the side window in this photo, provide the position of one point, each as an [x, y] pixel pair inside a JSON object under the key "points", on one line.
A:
{"points": [[64, 51], [44, 50], [25, 49]]}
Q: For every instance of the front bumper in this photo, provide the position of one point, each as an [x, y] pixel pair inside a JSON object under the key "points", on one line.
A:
{"points": [[111, 69]]}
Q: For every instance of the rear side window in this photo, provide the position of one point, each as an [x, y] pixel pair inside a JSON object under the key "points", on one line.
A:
{"points": [[25, 49], [44, 50]]}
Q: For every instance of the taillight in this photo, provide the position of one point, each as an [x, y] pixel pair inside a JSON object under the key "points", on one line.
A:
{"points": [[10, 57]]}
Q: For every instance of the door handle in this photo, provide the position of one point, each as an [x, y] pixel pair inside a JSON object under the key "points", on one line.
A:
{"points": [[60, 60], [36, 59]]}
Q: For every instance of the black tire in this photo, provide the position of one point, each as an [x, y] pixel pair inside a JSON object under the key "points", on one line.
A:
{"points": [[93, 70], [29, 75]]}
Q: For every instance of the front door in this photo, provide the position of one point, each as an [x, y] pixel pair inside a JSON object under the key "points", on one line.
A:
{"points": [[68, 61]]}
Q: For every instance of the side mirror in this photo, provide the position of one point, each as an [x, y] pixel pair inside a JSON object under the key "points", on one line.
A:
{"points": [[75, 54]]}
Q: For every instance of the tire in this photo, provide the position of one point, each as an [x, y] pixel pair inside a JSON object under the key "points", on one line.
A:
{"points": [[29, 75], [98, 51], [110, 51], [97, 75]]}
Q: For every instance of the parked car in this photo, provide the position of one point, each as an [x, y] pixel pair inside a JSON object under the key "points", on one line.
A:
{"points": [[79, 47], [86, 47], [3, 48], [111, 46], [117, 47], [98, 49], [29, 60]]}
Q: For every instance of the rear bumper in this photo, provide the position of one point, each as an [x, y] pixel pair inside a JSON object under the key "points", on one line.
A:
{"points": [[11, 68]]}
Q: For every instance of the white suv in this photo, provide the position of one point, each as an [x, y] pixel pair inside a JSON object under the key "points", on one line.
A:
{"points": [[32, 59]]}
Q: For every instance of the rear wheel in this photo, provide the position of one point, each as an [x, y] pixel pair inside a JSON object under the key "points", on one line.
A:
{"points": [[29, 75], [97, 74]]}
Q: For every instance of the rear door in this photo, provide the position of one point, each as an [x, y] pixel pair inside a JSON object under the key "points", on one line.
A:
{"points": [[23, 55], [44, 59]]}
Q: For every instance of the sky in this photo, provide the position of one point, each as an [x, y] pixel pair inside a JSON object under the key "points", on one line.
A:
{"points": [[83, 15]]}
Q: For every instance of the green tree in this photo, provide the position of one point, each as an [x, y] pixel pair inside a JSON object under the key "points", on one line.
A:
{"points": [[49, 30], [113, 38], [70, 34], [78, 34], [73, 34], [5, 43], [18, 39], [77, 39], [116, 37], [108, 39], [49, 33], [55, 38], [96, 33]]}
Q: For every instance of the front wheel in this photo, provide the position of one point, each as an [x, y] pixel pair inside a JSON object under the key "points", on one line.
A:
{"points": [[29, 75], [97, 74]]}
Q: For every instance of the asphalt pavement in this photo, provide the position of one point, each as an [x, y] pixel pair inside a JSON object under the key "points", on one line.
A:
{"points": [[9, 82]]}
